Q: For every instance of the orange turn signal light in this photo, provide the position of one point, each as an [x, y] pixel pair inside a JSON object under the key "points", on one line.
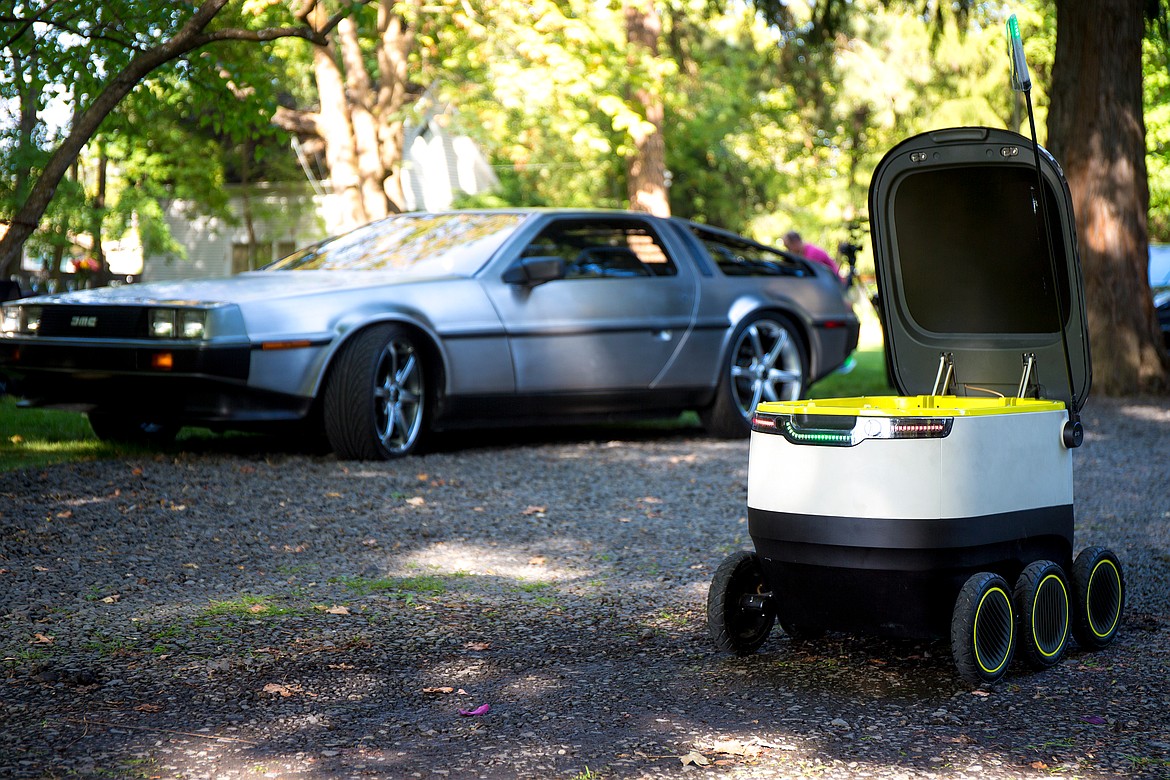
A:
{"points": [[296, 344], [162, 361]]}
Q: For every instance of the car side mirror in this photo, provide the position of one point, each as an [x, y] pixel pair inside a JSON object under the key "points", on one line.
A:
{"points": [[531, 271]]}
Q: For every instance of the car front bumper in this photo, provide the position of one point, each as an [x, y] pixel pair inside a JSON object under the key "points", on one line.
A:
{"points": [[187, 384]]}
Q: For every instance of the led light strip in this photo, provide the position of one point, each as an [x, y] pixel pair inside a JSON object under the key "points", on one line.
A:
{"points": [[864, 428]]}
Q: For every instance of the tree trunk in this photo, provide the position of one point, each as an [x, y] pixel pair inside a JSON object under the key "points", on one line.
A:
{"points": [[246, 203], [98, 211], [1096, 131], [360, 97], [646, 171], [336, 129]]}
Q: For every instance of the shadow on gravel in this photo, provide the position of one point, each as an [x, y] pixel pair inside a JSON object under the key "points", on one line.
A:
{"points": [[202, 441]]}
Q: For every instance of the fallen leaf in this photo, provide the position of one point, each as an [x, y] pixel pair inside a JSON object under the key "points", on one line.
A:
{"points": [[41, 639], [337, 610], [534, 510], [482, 709], [65, 515], [255, 609], [190, 566], [733, 747], [279, 690], [537, 560], [113, 599], [439, 689], [41, 568], [332, 494], [1038, 765], [650, 500], [423, 477], [370, 542], [17, 439], [416, 501], [478, 645], [697, 759], [148, 708]]}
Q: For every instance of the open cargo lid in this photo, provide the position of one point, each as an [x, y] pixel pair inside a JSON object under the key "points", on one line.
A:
{"points": [[963, 269]]}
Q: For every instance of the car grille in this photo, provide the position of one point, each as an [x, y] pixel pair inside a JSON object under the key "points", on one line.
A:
{"points": [[93, 321]]}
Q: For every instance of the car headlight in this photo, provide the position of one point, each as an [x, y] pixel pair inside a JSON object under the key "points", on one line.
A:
{"points": [[21, 320], [190, 324]]}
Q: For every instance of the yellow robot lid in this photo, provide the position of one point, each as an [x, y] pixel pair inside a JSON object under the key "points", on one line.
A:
{"points": [[911, 406]]}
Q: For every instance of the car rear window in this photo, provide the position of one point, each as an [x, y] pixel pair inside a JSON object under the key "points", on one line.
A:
{"points": [[740, 258]]}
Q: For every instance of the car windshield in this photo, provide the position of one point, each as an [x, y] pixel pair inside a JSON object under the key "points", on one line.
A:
{"points": [[417, 244]]}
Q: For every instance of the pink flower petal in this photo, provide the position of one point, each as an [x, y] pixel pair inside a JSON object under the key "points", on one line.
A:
{"points": [[480, 710]]}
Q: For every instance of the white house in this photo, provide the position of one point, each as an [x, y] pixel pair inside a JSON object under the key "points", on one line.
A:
{"points": [[437, 168]]}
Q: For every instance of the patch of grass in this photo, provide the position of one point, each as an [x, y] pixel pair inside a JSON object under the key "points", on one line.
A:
{"points": [[109, 646], [419, 585], [867, 377], [29, 654], [246, 606], [533, 587], [169, 632], [31, 438]]}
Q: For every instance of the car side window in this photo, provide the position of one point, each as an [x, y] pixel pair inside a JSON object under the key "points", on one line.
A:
{"points": [[603, 249], [739, 258]]}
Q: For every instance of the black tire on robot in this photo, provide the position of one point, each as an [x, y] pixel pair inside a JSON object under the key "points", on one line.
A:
{"points": [[1098, 587], [376, 404], [739, 607], [983, 637], [1042, 614], [127, 429]]}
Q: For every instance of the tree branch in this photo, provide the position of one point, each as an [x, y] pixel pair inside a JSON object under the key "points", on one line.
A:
{"points": [[25, 23], [319, 37]]}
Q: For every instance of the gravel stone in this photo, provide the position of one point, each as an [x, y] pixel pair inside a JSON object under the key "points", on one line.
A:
{"points": [[241, 611]]}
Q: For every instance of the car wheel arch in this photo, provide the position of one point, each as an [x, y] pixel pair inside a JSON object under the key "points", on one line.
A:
{"points": [[436, 365], [742, 313]]}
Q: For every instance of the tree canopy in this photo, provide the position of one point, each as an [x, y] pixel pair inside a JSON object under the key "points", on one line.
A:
{"points": [[758, 117]]}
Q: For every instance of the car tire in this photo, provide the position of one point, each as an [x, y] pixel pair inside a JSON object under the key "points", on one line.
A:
{"points": [[739, 612], [376, 404], [767, 362], [123, 429]]}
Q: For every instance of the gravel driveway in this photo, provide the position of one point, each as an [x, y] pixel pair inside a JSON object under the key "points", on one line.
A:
{"points": [[233, 613]]}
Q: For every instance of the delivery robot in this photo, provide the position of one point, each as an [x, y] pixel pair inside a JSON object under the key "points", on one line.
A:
{"points": [[945, 511]]}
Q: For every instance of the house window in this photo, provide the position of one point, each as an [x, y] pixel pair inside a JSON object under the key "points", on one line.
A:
{"points": [[240, 258], [266, 252]]}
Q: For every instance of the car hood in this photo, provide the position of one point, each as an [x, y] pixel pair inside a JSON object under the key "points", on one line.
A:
{"points": [[243, 288]]}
